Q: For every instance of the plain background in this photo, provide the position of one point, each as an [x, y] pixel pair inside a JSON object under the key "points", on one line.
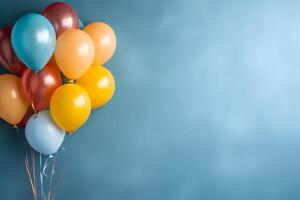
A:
{"points": [[207, 105]]}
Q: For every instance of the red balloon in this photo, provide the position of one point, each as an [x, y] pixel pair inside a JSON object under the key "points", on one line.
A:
{"points": [[26, 117], [8, 58], [39, 87], [62, 16]]}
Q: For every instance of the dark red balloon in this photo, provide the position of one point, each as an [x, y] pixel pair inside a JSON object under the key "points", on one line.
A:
{"points": [[62, 16], [8, 58], [26, 117], [39, 87]]}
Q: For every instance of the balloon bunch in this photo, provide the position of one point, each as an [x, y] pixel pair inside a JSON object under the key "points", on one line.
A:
{"points": [[37, 50]]}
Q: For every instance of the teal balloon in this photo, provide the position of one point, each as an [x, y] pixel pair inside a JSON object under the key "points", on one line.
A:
{"points": [[33, 40], [81, 24], [43, 134]]}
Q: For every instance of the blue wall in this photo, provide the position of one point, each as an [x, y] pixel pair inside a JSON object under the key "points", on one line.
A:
{"points": [[207, 105]]}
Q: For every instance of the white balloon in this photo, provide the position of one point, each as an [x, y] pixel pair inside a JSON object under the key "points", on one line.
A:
{"points": [[43, 134]]}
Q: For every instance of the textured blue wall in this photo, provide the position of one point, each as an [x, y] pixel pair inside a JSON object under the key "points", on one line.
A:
{"points": [[207, 105]]}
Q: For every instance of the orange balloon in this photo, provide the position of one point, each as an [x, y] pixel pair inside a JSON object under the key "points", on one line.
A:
{"points": [[74, 53], [13, 105], [99, 83], [104, 40]]}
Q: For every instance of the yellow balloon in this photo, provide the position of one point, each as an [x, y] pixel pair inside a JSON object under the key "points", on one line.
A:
{"points": [[99, 83], [70, 107], [13, 105], [74, 53]]}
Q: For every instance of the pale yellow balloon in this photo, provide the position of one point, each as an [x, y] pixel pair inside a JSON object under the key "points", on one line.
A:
{"points": [[104, 39], [70, 107], [13, 105], [74, 53], [99, 83]]}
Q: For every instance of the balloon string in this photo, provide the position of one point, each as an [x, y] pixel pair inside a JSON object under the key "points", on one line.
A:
{"points": [[46, 164], [33, 167], [59, 177], [41, 179], [50, 182], [32, 183]]}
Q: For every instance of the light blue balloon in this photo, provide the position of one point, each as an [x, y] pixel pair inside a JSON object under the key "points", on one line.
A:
{"points": [[43, 134], [33, 40], [81, 24]]}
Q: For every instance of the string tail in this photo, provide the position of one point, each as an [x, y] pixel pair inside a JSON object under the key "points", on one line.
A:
{"points": [[33, 168], [32, 181], [41, 179]]}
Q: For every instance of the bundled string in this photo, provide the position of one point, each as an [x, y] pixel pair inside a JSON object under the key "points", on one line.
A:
{"points": [[43, 165]]}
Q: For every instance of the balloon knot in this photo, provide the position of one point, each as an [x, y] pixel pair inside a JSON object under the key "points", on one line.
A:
{"points": [[71, 81], [33, 107], [15, 126]]}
